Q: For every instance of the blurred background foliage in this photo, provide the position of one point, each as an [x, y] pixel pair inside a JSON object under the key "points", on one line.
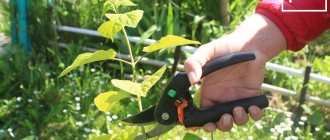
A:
{"points": [[35, 104]]}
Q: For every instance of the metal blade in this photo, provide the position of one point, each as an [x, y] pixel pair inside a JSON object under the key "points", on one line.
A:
{"points": [[157, 131], [143, 118]]}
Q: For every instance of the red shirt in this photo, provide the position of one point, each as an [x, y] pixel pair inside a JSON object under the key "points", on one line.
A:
{"points": [[299, 28]]}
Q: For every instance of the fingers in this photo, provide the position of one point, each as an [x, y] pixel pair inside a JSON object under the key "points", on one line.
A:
{"points": [[255, 113], [240, 117], [193, 65], [210, 127], [225, 123]]}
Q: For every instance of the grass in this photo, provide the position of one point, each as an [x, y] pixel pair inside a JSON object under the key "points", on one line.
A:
{"points": [[40, 105], [34, 103]]}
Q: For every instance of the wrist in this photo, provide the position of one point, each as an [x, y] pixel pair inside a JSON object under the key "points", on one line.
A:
{"points": [[259, 34]]}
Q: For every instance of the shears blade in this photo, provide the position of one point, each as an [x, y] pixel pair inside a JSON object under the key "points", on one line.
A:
{"points": [[145, 117], [157, 131]]}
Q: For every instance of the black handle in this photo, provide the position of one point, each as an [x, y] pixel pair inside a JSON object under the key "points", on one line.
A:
{"points": [[199, 117], [227, 60], [180, 84]]}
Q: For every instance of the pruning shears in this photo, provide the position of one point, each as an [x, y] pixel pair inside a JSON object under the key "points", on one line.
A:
{"points": [[176, 106]]}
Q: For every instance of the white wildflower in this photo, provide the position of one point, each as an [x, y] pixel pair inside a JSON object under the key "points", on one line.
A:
{"points": [[109, 118], [272, 130], [62, 90], [258, 125], [294, 138], [303, 118], [327, 133], [79, 123], [114, 117], [245, 129], [317, 129], [77, 99], [87, 130], [18, 99]]}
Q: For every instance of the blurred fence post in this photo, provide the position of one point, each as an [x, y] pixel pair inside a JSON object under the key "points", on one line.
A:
{"points": [[224, 12], [302, 98], [23, 35], [13, 21]]}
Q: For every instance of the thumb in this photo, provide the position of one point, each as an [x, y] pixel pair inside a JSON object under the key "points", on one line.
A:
{"points": [[193, 65]]}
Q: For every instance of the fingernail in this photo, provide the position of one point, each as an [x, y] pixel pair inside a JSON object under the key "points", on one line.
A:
{"points": [[226, 120], [209, 127], [192, 77], [253, 110], [238, 113]]}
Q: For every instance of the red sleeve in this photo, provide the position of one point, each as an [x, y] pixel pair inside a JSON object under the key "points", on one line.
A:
{"points": [[299, 28]]}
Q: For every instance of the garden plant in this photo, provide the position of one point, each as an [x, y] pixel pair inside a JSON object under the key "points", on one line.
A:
{"points": [[117, 22], [36, 104]]}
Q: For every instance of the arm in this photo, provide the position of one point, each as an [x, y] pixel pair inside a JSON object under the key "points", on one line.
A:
{"points": [[299, 28], [266, 33]]}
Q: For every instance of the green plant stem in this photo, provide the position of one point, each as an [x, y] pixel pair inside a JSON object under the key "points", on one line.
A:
{"points": [[212, 135], [134, 73], [130, 54], [132, 64], [120, 60], [140, 58]]}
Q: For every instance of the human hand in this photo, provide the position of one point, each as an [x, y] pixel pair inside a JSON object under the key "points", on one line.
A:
{"points": [[256, 34]]}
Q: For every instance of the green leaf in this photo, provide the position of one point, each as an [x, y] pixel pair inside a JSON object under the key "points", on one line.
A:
{"points": [[31, 137], [170, 19], [169, 41], [139, 89], [116, 3], [109, 29], [103, 137], [151, 80], [316, 118], [307, 109], [88, 58], [148, 33], [126, 3], [128, 86], [190, 136], [128, 134], [94, 2], [106, 7], [104, 101], [130, 19]]}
